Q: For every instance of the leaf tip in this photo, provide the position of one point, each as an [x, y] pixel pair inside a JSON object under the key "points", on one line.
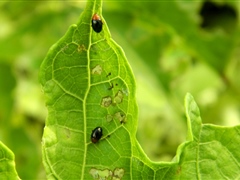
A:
{"points": [[193, 116]]}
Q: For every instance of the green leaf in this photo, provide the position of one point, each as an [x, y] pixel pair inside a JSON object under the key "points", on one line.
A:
{"points": [[7, 164], [212, 151], [6, 102], [88, 83]]}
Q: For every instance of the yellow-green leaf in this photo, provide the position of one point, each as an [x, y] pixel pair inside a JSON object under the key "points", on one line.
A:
{"points": [[88, 83], [7, 164]]}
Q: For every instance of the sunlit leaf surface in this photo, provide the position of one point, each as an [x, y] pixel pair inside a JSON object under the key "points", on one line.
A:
{"points": [[88, 83], [7, 164]]}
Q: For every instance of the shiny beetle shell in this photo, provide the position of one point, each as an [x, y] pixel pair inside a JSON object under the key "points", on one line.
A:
{"points": [[97, 23], [96, 134]]}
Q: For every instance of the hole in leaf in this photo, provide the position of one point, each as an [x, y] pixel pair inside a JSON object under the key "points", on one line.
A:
{"points": [[100, 174], [106, 101], [118, 173], [97, 70], [118, 97], [120, 116], [107, 174]]}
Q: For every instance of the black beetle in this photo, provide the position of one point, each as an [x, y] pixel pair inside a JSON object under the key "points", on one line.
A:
{"points": [[96, 134], [97, 23]]}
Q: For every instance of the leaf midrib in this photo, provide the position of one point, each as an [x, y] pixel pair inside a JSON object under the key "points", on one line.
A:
{"points": [[85, 97]]}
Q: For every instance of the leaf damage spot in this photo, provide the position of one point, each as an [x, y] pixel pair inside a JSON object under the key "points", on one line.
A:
{"points": [[125, 91], [118, 173], [118, 97], [120, 116], [100, 174], [97, 70], [69, 49], [109, 118], [106, 101], [179, 169], [81, 48], [67, 133], [106, 174]]}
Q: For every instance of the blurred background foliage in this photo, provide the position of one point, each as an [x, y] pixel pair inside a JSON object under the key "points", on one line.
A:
{"points": [[174, 47]]}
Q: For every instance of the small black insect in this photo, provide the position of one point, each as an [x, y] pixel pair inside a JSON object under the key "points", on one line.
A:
{"points": [[96, 134], [97, 23]]}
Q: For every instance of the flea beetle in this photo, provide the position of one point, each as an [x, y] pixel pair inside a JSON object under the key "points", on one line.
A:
{"points": [[96, 134], [97, 23]]}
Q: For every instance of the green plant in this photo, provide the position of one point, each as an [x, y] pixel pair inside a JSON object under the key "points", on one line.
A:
{"points": [[88, 83]]}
